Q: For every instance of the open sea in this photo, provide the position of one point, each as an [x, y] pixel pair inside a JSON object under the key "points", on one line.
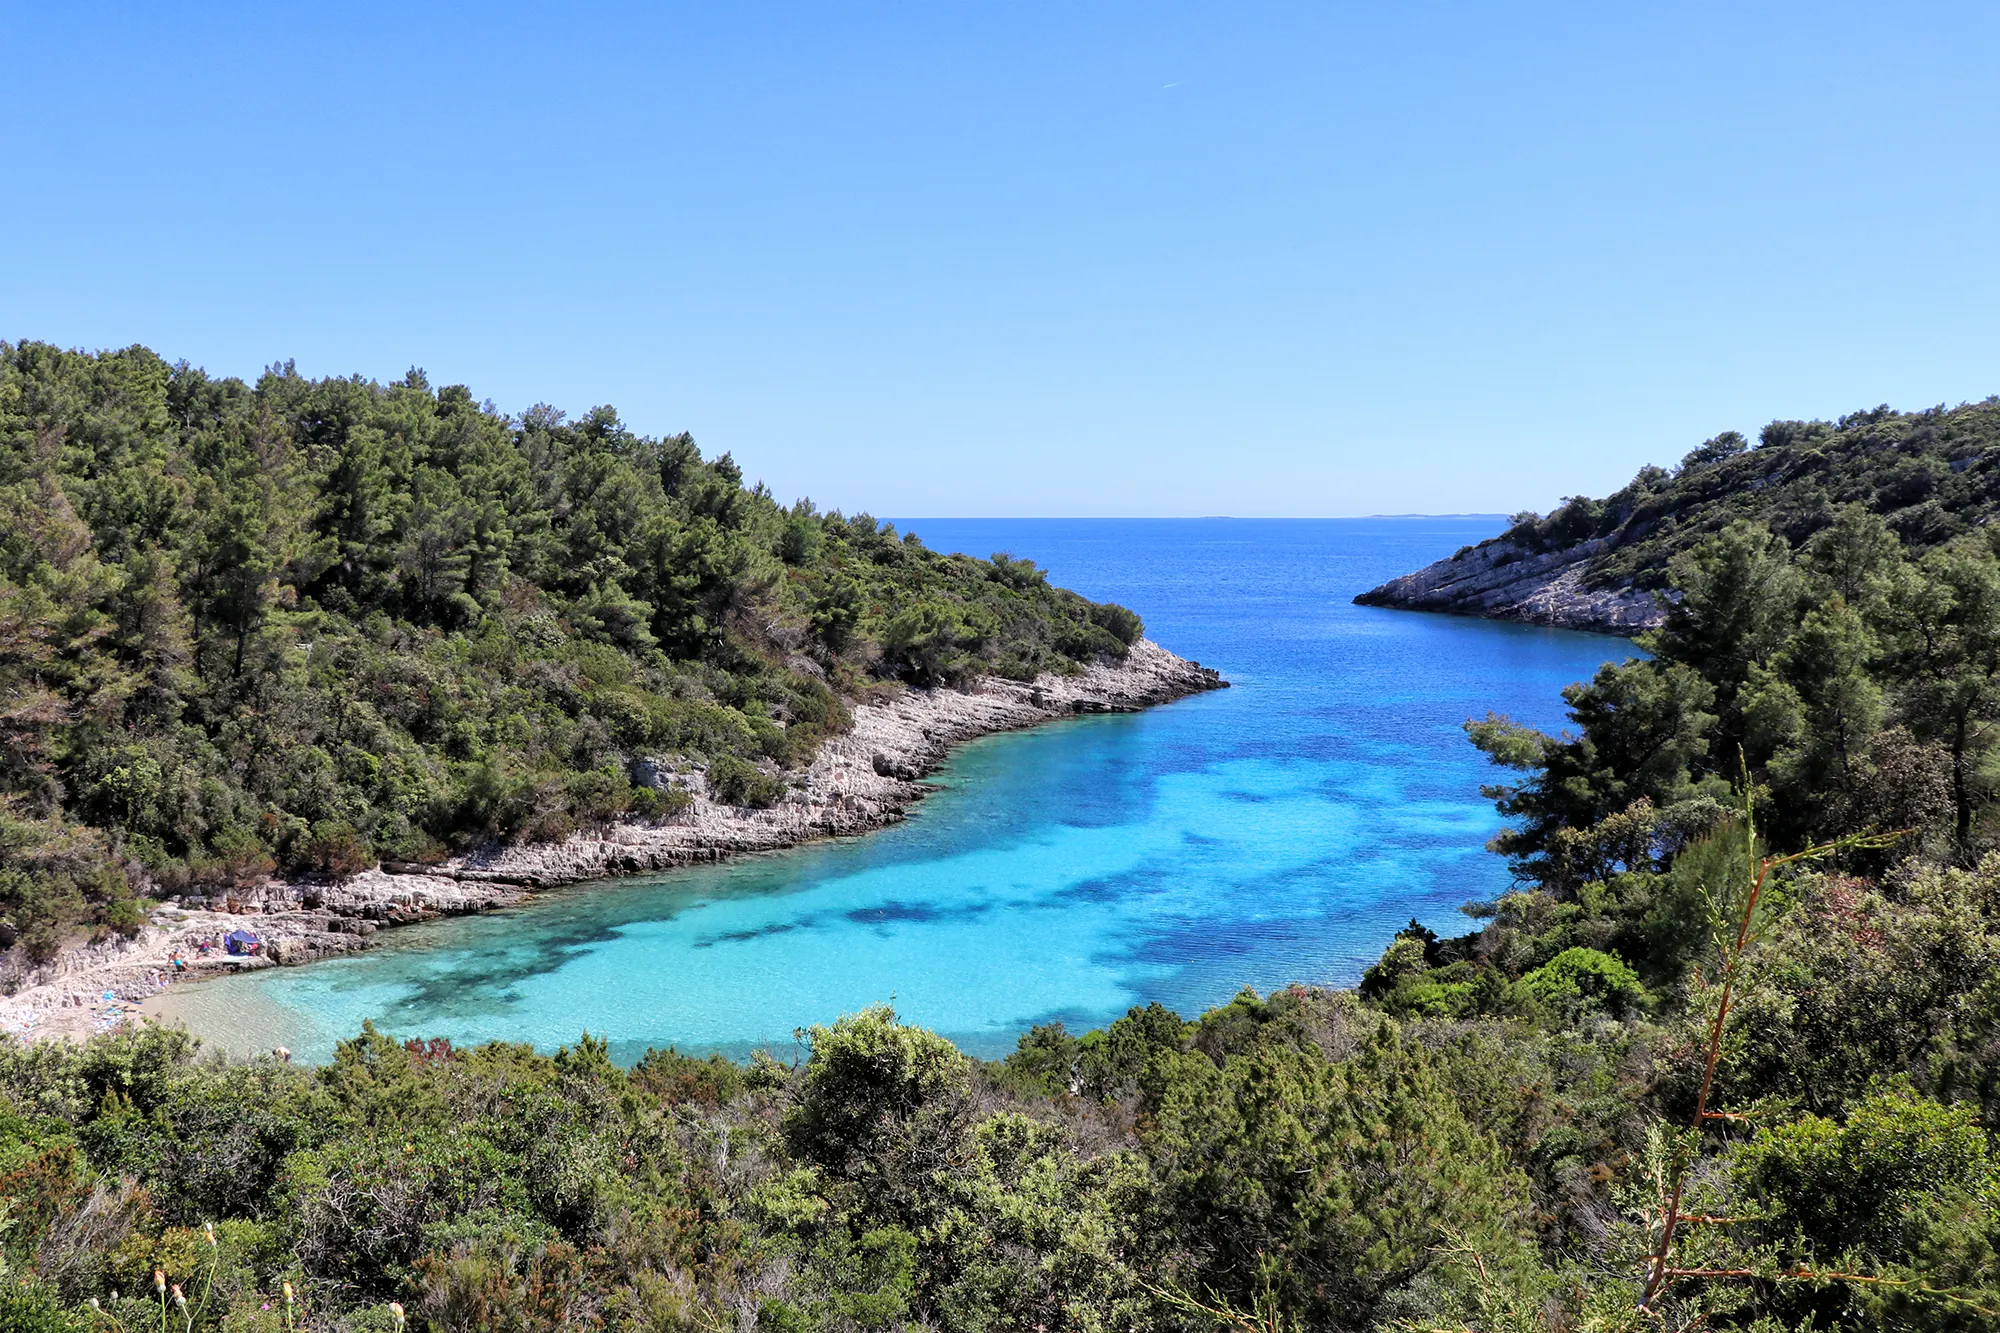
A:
{"points": [[1278, 831]]}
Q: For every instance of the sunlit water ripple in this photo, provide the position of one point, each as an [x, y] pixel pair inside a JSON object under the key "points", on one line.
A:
{"points": [[1278, 831]]}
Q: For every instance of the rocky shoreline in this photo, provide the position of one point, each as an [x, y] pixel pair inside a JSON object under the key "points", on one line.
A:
{"points": [[856, 782], [1501, 580]]}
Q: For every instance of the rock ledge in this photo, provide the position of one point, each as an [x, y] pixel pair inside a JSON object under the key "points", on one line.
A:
{"points": [[1500, 580]]}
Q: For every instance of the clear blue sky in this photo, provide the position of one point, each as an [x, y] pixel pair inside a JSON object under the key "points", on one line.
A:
{"points": [[1043, 258]]}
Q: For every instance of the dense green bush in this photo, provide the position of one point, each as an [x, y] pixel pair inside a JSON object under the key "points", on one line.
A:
{"points": [[32, 1307], [739, 782], [1578, 980], [889, 1181], [1325, 1185]]}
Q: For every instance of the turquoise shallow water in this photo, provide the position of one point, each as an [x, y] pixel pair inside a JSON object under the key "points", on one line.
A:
{"points": [[1278, 831]]}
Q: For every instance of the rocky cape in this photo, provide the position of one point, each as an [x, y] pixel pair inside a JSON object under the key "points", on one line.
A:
{"points": [[1500, 579], [856, 782]]}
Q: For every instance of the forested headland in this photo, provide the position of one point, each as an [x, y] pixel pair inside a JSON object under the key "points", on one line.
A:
{"points": [[1930, 476], [1606, 564], [301, 625], [1726, 1057]]}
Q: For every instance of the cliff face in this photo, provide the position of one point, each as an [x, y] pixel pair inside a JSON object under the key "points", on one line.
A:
{"points": [[1501, 580]]}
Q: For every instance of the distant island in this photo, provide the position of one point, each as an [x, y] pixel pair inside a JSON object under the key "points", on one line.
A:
{"points": [[1603, 564]]}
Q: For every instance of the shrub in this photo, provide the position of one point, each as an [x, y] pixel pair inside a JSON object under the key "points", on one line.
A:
{"points": [[127, 916], [598, 795], [677, 1078], [927, 644], [883, 1104], [1873, 1181], [735, 781], [333, 848], [1402, 961], [1578, 980], [1120, 623], [32, 1307], [1325, 1185]]}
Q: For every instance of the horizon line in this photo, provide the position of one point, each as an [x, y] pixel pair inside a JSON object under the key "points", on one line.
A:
{"points": [[1175, 518]]}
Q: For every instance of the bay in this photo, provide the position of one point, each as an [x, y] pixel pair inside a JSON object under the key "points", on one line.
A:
{"points": [[1278, 831]]}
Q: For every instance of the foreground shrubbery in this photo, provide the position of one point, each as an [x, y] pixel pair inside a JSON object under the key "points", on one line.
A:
{"points": [[1483, 1140], [1300, 1150], [302, 624]]}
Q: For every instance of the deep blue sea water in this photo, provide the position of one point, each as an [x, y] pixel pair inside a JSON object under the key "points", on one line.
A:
{"points": [[1278, 831]]}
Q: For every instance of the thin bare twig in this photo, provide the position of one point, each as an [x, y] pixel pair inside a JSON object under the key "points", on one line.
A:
{"points": [[1758, 874]]}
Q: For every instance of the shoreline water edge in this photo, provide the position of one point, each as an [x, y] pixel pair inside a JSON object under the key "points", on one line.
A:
{"points": [[858, 782]]}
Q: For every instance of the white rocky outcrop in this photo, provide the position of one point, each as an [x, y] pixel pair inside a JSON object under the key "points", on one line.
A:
{"points": [[1501, 580]]}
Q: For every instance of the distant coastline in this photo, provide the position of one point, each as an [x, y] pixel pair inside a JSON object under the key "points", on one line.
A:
{"points": [[910, 523]]}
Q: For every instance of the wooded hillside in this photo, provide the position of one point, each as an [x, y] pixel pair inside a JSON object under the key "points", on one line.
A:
{"points": [[303, 624], [1605, 564], [1930, 475]]}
